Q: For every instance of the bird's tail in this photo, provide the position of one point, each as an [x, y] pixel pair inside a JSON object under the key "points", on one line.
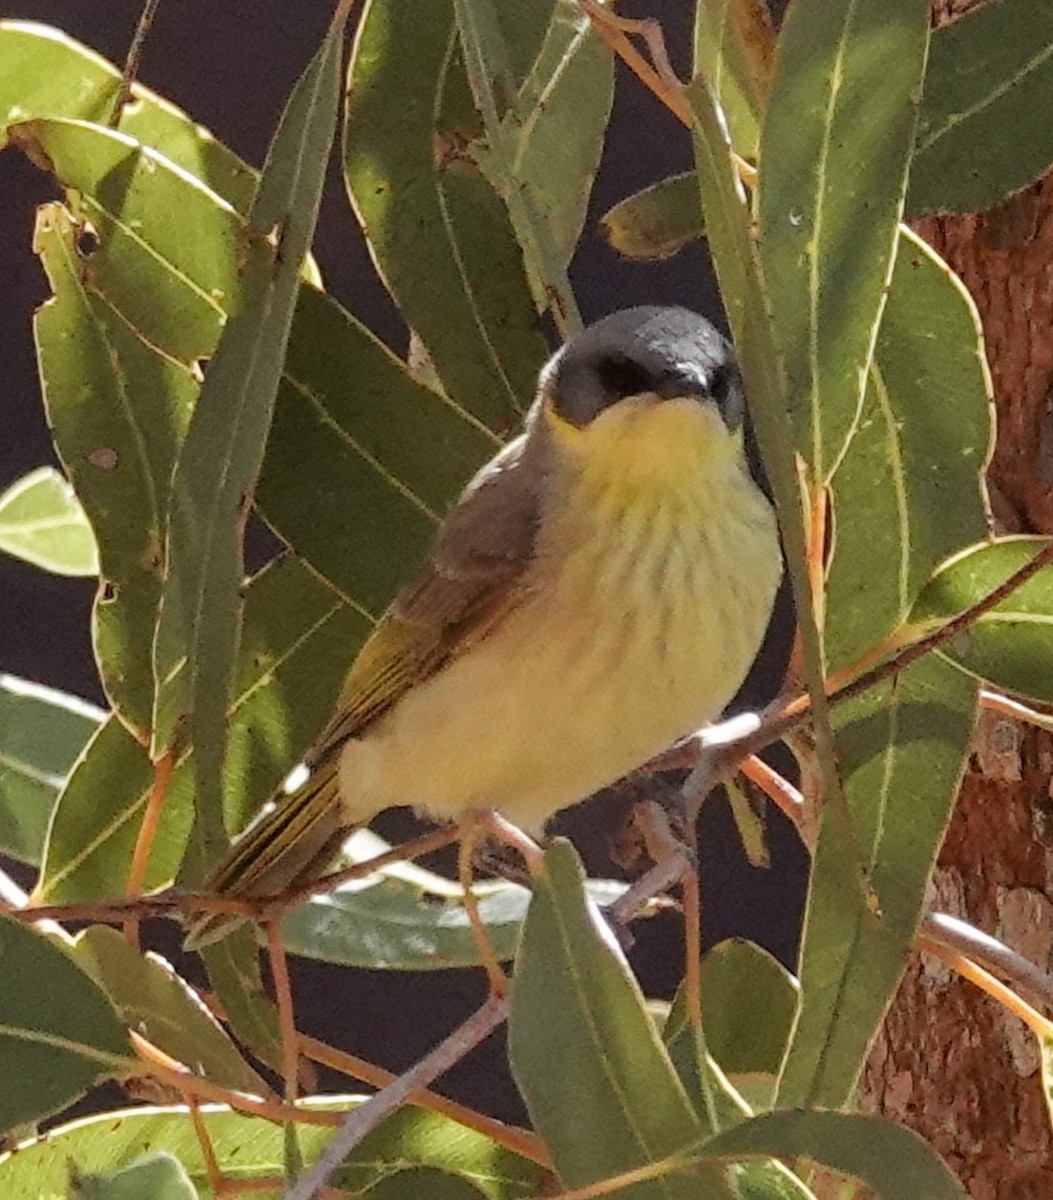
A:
{"points": [[287, 846]]}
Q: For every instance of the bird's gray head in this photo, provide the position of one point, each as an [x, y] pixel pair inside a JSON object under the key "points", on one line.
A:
{"points": [[667, 352]]}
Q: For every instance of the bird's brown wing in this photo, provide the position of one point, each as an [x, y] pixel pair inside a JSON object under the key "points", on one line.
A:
{"points": [[473, 575]]}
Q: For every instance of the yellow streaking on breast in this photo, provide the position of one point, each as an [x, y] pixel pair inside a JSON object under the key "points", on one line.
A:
{"points": [[655, 568]]}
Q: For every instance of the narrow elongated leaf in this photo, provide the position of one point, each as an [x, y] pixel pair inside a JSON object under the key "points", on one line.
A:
{"points": [[42, 732], [894, 1162], [616, 1102], [154, 1001], [249, 1148], [438, 232], [58, 1032], [119, 451], [657, 221], [200, 619], [159, 1176], [736, 259], [909, 489], [236, 979], [542, 154], [734, 51], [297, 644], [405, 918], [1011, 645], [982, 133], [42, 521], [834, 157], [902, 748]]}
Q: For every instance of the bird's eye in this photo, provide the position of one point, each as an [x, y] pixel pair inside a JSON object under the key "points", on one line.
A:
{"points": [[620, 376]]}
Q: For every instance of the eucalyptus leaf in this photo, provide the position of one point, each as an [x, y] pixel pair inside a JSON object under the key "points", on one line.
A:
{"points": [[891, 1160], [909, 490], [615, 1103], [439, 233], [42, 522], [248, 1148], [1010, 645], [58, 1032], [42, 733], [982, 133], [402, 917], [658, 221], [835, 153], [159, 1176], [119, 451], [199, 625], [734, 51], [154, 1001], [902, 747]]}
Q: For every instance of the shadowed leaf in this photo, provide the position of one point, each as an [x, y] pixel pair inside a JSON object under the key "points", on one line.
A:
{"points": [[982, 132], [42, 732], [58, 1032], [734, 51], [439, 233], [657, 221]]}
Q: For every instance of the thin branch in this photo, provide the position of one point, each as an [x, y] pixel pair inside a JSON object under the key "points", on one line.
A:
{"points": [[520, 1141], [941, 929], [131, 63], [145, 838], [366, 1117]]}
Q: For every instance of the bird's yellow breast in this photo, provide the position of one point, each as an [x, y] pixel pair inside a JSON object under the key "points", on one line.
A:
{"points": [[655, 569]]}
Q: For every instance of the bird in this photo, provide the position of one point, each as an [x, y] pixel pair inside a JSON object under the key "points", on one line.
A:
{"points": [[599, 590]]}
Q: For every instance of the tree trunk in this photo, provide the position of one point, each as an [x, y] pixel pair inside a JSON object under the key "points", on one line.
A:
{"points": [[949, 1061]]}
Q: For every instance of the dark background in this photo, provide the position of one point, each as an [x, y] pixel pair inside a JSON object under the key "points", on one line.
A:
{"points": [[231, 66]]}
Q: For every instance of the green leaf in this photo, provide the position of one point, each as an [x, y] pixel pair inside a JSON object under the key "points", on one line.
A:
{"points": [[982, 132], [909, 490], [439, 234], [387, 456], [744, 1039], [891, 1160], [248, 1148], [426, 1182], [541, 155], [42, 732], [835, 152], [1011, 645], [58, 1032], [405, 918], [159, 1176], [734, 51], [200, 617], [902, 747], [152, 999], [733, 245], [657, 221], [119, 451], [42, 522], [44, 73], [234, 973], [297, 644], [615, 1102]]}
